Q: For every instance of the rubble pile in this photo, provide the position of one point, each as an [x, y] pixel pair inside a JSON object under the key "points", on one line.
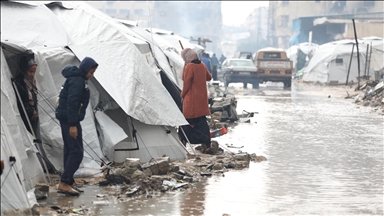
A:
{"points": [[372, 95], [161, 175]]}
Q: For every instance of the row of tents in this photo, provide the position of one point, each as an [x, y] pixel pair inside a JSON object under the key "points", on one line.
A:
{"points": [[332, 61], [135, 102]]}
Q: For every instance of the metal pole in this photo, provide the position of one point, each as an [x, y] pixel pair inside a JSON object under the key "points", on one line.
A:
{"points": [[350, 62], [369, 60], [366, 61], [358, 55]]}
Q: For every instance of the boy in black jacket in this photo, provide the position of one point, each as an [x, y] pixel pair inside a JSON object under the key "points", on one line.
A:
{"points": [[73, 102]]}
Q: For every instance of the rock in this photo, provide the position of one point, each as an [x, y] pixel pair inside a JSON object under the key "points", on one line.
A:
{"points": [[230, 165], [261, 158], [22, 212], [42, 187], [147, 172], [39, 195], [159, 166], [177, 176], [188, 179], [253, 156], [130, 166], [209, 166], [217, 166], [175, 168], [366, 103], [241, 164], [242, 157], [137, 175], [205, 174]]}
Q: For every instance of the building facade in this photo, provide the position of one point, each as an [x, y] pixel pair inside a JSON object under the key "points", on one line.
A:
{"points": [[257, 23], [282, 15], [202, 19]]}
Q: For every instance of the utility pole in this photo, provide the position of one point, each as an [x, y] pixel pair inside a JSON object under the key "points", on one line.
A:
{"points": [[358, 55]]}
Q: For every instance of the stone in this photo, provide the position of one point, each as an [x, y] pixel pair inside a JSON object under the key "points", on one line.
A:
{"points": [[241, 157], [175, 168], [209, 166], [137, 175], [217, 166], [147, 172], [42, 187], [177, 176], [159, 166], [188, 179], [22, 212]]}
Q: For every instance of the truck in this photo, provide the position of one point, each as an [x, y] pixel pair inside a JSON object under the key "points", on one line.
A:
{"points": [[273, 65]]}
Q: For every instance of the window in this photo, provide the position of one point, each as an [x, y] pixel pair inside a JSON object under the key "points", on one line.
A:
{"points": [[339, 61], [241, 63], [272, 55], [284, 19], [285, 2], [124, 13], [368, 3], [110, 12], [139, 12], [317, 1]]}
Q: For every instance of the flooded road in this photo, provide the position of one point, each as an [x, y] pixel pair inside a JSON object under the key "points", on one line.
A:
{"points": [[325, 157]]}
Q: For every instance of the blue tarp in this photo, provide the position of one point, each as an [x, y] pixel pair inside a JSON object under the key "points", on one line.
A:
{"points": [[298, 38]]}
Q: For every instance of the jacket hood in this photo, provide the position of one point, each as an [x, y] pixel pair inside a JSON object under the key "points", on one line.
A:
{"points": [[70, 71], [87, 64]]}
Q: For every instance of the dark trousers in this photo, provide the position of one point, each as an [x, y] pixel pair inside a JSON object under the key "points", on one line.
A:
{"points": [[73, 152], [197, 131]]}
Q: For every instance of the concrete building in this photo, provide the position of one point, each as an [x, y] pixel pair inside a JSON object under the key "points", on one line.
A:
{"points": [[282, 15], [191, 19], [257, 23]]}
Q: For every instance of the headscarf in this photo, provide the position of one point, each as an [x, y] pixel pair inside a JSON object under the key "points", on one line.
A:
{"points": [[31, 83], [188, 55]]}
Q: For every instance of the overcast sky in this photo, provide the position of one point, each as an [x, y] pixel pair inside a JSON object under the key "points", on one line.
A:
{"points": [[235, 12]]}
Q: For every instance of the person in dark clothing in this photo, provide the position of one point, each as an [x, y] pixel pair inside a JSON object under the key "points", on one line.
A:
{"points": [[215, 65], [222, 59], [207, 61], [27, 90], [73, 102]]}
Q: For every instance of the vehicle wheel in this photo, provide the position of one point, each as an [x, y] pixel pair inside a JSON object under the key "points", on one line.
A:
{"points": [[287, 83], [255, 85]]}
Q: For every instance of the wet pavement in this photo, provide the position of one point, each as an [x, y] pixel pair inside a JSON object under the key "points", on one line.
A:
{"points": [[325, 157]]}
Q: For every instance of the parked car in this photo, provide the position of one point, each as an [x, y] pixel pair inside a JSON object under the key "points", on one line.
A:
{"points": [[273, 65], [240, 70]]}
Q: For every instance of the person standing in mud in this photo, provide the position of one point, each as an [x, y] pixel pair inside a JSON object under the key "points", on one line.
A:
{"points": [[73, 102], [195, 100], [26, 87]]}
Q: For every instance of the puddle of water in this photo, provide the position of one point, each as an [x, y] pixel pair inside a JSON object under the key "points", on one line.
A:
{"points": [[325, 157]]}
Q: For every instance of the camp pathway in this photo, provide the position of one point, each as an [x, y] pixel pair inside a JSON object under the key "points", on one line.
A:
{"points": [[324, 157]]}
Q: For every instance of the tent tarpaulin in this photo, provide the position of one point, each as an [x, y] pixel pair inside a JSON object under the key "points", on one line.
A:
{"points": [[123, 71]]}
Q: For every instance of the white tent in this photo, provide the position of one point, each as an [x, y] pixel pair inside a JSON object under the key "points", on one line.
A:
{"points": [[174, 40], [13, 192], [305, 47], [124, 80], [331, 62], [376, 62]]}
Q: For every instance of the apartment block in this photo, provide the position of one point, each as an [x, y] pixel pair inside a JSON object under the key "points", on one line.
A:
{"points": [[257, 23], [288, 17]]}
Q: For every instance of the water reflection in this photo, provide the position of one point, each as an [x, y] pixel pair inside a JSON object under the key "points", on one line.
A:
{"points": [[325, 157]]}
